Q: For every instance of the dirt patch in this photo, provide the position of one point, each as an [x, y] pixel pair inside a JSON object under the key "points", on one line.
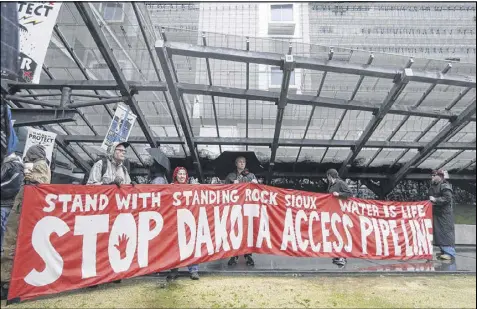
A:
{"points": [[267, 292]]}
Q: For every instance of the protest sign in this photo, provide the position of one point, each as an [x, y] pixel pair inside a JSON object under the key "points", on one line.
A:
{"points": [[120, 127], [40, 137]]}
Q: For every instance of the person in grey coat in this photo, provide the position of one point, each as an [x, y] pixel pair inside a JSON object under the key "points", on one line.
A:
{"points": [[441, 197], [115, 172], [241, 175], [339, 189]]}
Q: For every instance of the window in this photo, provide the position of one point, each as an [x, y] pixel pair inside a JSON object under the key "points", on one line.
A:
{"points": [[282, 12], [113, 12], [277, 75]]}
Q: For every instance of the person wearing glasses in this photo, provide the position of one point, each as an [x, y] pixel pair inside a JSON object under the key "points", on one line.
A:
{"points": [[111, 170]]}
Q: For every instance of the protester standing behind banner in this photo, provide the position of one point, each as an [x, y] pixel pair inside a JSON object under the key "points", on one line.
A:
{"points": [[111, 170], [12, 180], [40, 137], [339, 189], [441, 196], [180, 177], [241, 175], [36, 172]]}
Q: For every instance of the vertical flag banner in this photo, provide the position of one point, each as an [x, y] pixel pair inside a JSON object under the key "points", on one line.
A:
{"points": [[35, 21]]}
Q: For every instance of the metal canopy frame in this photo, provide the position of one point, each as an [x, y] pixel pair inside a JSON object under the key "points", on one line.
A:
{"points": [[175, 90]]}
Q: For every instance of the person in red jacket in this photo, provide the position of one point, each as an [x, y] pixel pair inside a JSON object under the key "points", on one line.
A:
{"points": [[179, 177]]}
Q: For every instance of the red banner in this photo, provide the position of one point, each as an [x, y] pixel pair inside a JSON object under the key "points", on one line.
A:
{"points": [[74, 236]]}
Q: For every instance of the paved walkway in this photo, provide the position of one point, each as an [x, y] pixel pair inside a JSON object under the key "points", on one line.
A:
{"points": [[465, 263]]}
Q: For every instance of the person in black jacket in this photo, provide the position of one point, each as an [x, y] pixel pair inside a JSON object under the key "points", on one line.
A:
{"points": [[441, 196], [12, 180], [339, 189]]}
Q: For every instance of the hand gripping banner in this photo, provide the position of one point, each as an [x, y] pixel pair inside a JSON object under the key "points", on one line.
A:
{"points": [[73, 236]]}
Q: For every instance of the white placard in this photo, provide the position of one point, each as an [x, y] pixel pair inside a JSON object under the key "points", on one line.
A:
{"points": [[120, 126], [39, 137], [35, 22]]}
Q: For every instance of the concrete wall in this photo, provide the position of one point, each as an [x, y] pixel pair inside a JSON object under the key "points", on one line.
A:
{"points": [[465, 234]]}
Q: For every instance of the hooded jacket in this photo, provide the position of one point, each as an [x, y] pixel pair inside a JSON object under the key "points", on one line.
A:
{"points": [[112, 171], [40, 172], [12, 179], [176, 171]]}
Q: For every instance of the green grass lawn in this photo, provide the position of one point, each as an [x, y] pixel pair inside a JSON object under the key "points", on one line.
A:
{"points": [[273, 292], [465, 214]]}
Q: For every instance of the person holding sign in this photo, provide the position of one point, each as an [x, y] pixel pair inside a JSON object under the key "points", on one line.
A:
{"points": [[441, 197], [339, 189], [36, 172], [180, 177], [111, 170], [241, 175]]}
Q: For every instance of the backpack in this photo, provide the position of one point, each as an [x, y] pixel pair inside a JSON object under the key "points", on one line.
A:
{"points": [[104, 168]]}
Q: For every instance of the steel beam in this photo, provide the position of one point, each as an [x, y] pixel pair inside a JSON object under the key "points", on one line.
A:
{"points": [[374, 176], [125, 89], [268, 142], [318, 92], [309, 63], [40, 114], [467, 166], [448, 160], [174, 93], [287, 67], [247, 86], [82, 68], [73, 154], [443, 134], [430, 126], [405, 119], [46, 127], [131, 139], [209, 75], [301, 99], [58, 84], [65, 147], [375, 121], [98, 102], [30, 101], [41, 122], [155, 65], [343, 115]]}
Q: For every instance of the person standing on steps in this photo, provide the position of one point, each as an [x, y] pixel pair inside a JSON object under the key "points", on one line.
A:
{"points": [[241, 175], [339, 189], [181, 177]]}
